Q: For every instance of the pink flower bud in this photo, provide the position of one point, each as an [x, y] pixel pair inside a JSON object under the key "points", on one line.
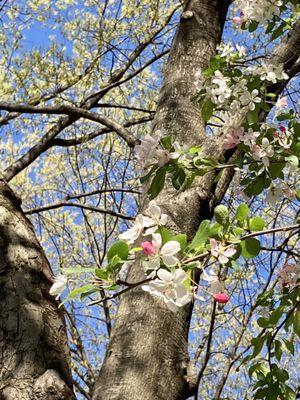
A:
{"points": [[237, 20], [148, 248], [221, 298], [282, 128]]}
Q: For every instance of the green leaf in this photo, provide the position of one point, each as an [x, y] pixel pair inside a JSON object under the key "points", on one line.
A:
{"points": [[263, 322], [201, 235], [253, 26], [166, 141], [144, 178], [101, 273], [257, 345], [277, 32], [289, 344], [178, 178], [166, 235], [77, 270], [80, 290], [275, 169], [296, 322], [256, 224], [181, 238], [250, 247], [221, 214], [157, 183], [292, 160], [207, 110], [120, 249], [242, 212]]}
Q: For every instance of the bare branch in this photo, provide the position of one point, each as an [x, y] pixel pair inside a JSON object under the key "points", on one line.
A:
{"points": [[82, 206]]}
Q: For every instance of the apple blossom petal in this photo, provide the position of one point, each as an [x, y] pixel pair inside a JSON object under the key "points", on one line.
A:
{"points": [[165, 275], [223, 259], [171, 305], [58, 286], [170, 248], [157, 241], [163, 219], [229, 252], [213, 244], [169, 260], [179, 276], [154, 210]]}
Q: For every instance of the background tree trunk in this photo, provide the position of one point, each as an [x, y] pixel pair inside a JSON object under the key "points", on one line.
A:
{"points": [[147, 357], [33, 341]]}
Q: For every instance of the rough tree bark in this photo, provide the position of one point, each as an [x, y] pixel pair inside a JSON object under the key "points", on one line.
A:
{"points": [[147, 357], [33, 342]]}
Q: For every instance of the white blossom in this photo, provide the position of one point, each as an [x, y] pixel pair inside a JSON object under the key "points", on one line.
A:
{"points": [[141, 222], [257, 10], [157, 217], [158, 252], [269, 72], [170, 287], [250, 99], [220, 91], [263, 152], [59, 285], [220, 252]]}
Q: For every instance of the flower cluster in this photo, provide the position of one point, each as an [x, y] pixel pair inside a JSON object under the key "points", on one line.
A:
{"points": [[277, 191], [163, 263], [230, 52], [150, 151], [146, 224], [260, 147], [269, 72], [170, 287], [257, 10]]}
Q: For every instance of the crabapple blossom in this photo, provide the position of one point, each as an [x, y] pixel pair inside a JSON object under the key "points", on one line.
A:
{"points": [[59, 285], [141, 222], [269, 72], [220, 91], [284, 137], [263, 152], [145, 151], [249, 138], [170, 287], [227, 50], [258, 10], [282, 102], [157, 252], [157, 217], [149, 151], [276, 191], [232, 138], [221, 252], [238, 20], [250, 99], [212, 278]]}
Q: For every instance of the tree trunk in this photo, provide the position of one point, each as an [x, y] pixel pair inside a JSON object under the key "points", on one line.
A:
{"points": [[33, 342], [147, 356]]}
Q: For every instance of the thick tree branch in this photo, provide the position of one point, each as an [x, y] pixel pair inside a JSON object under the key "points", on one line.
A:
{"points": [[73, 112]]}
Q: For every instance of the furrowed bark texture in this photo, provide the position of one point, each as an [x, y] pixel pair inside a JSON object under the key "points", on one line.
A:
{"points": [[147, 357], [33, 342]]}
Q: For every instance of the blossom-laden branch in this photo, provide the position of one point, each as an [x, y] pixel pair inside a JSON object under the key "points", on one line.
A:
{"points": [[168, 260]]}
